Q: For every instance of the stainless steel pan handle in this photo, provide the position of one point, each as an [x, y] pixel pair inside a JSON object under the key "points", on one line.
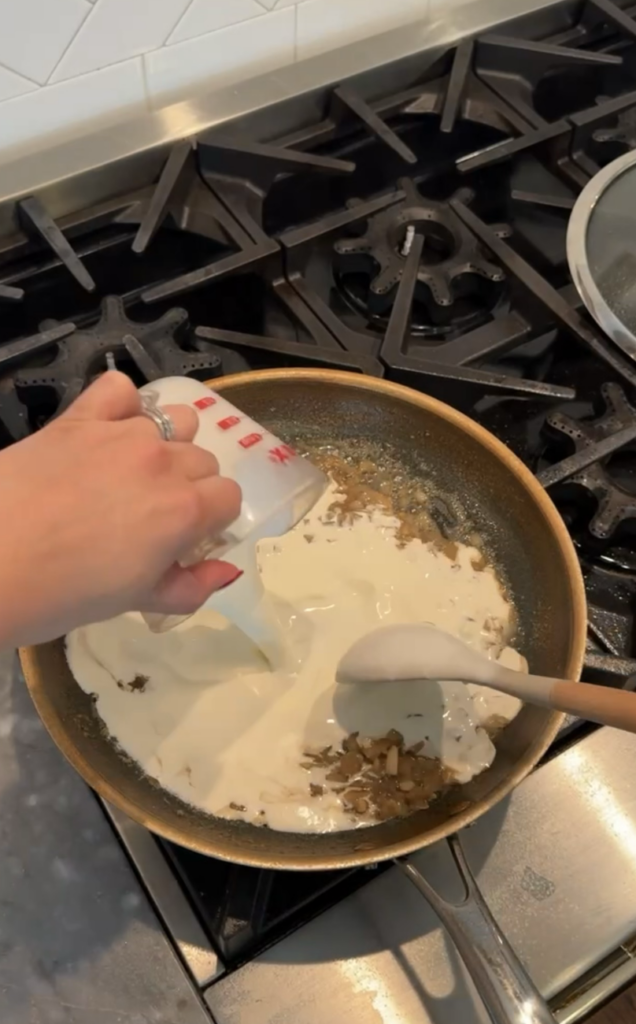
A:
{"points": [[507, 991]]}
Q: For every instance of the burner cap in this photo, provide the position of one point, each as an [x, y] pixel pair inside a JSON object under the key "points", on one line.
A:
{"points": [[155, 349], [456, 282]]}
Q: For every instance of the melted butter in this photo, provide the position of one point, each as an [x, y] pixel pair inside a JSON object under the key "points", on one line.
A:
{"points": [[225, 729]]}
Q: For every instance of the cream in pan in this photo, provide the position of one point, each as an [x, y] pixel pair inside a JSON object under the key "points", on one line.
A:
{"points": [[201, 710]]}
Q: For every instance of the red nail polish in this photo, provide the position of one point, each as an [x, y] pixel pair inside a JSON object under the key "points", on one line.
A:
{"points": [[229, 583]]}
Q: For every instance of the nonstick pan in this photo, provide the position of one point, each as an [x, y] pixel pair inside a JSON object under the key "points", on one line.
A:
{"points": [[475, 486]]}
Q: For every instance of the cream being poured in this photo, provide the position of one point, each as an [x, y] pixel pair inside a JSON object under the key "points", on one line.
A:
{"points": [[203, 712]]}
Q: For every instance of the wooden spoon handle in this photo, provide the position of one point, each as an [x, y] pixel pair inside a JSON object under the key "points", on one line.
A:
{"points": [[600, 704]]}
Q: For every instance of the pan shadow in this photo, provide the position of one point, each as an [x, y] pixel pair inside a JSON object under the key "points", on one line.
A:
{"points": [[382, 948], [373, 926]]}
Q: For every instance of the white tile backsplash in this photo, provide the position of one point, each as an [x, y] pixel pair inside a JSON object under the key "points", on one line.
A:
{"points": [[37, 32], [220, 58], [203, 16], [323, 24], [116, 30], [66, 110], [12, 85], [65, 64]]}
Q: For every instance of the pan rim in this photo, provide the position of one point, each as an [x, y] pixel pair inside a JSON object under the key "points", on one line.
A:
{"points": [[578, 612]]}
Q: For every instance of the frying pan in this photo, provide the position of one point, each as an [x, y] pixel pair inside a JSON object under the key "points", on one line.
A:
{"points": [[475, 485]]}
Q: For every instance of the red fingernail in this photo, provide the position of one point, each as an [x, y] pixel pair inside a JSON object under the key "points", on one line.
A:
{"points": [[239, 573]]}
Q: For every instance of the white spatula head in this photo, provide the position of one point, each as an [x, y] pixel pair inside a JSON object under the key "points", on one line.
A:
{"points": [[416, 651], [420, 651]]}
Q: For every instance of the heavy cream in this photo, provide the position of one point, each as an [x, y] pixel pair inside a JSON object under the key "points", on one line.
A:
{"points": [[203, 712]]}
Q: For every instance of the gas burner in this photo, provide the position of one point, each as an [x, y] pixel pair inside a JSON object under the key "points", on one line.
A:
{"points": [[610, 486], [153, 350], [457, 285]]}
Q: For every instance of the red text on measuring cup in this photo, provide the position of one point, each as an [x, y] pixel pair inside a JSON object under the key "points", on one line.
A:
{"points": [[250, 440], [281, 454]]}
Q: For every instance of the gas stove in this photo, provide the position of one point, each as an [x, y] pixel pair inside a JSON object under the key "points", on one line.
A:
{"points": [[406, 221]]}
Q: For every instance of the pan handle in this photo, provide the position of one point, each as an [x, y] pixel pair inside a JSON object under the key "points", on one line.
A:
{"points": [[506, 989]]}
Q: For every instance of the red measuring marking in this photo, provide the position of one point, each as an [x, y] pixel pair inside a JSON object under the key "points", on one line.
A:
{"points": [[282, 454], [205, 403], [250, 439], [229, 421]]}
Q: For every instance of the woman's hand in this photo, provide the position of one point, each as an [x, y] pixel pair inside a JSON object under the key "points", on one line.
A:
{"points": [[97, 512]]}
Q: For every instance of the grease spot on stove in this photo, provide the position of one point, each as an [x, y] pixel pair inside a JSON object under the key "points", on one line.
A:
{"points": [[7, 723], [537, 886], [130, 901], [64, 870]]}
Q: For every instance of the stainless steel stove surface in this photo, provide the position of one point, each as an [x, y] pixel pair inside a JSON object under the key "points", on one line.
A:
{"points": [[407, 220]]}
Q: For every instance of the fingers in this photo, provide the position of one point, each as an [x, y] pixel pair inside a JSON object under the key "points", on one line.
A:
{"points": [[115, 397], [220, 500], [192, 462], [112, 397], [185, 422], [183, 591]]}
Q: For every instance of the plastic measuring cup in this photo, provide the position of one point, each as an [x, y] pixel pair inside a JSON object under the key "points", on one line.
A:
{"points": [[279, 486]]}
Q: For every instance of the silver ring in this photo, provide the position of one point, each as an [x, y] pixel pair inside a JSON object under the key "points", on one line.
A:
{"points": [[154, 412]]}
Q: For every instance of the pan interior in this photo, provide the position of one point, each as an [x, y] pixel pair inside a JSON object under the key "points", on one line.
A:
{"points": [[472, 491]]}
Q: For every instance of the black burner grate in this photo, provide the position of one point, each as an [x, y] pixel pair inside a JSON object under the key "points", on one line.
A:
{"points": [[154, 349]]}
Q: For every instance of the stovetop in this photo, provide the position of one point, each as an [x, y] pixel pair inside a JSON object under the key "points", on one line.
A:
{"points": [[420, 236]]}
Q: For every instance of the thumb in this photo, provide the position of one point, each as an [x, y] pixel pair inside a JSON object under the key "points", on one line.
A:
{"points": [[183, 591], [112, 397]]}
